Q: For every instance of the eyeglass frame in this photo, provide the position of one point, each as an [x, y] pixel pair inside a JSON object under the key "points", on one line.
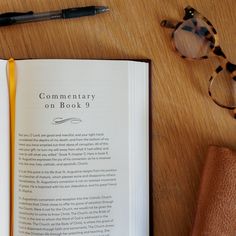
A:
{"points": [[215, 49]]}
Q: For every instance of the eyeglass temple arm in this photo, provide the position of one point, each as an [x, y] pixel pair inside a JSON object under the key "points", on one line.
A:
{"points": [[202, 31], [170, 24]]}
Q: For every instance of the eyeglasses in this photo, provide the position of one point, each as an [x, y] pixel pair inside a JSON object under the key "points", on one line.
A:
{"points": [[196, 38]]}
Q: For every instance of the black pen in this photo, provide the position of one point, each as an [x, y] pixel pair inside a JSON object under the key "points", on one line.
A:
{"points": [[11, 18]]}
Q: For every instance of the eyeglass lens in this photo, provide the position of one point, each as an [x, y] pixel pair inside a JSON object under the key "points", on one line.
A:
{"points": [[193, 38]]}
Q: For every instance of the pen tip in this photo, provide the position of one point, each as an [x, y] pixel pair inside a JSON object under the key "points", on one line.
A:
{"points": [[101, 9]]}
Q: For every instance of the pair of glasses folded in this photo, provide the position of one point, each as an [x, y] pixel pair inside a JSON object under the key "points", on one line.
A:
{"points": [[196, 38]]}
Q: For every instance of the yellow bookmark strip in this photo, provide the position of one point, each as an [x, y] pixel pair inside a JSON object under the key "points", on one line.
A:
{"points": [[12, 97]]}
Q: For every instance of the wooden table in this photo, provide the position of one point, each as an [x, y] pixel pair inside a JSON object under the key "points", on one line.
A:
{"points": [[184, 119]]}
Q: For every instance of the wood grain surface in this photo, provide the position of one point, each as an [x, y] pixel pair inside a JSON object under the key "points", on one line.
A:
{"points": [[184, 119]]}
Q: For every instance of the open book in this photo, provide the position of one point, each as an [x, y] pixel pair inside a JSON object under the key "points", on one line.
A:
{"points": [[80, 163]]}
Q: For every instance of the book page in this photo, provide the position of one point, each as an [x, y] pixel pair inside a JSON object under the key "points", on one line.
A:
{"points": [[139, 149], [5, 154], [72, 148]]}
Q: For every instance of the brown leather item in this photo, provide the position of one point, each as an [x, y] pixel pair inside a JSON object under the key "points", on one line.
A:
{"points": [[216, 208]]}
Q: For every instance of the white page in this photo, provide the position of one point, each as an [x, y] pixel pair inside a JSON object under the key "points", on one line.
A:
{"points": [[44, 202], [5, 155], [139, 148]]}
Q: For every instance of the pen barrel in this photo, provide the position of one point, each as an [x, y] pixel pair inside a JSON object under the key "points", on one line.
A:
{"points": [[6, 21], [78, 12]]}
